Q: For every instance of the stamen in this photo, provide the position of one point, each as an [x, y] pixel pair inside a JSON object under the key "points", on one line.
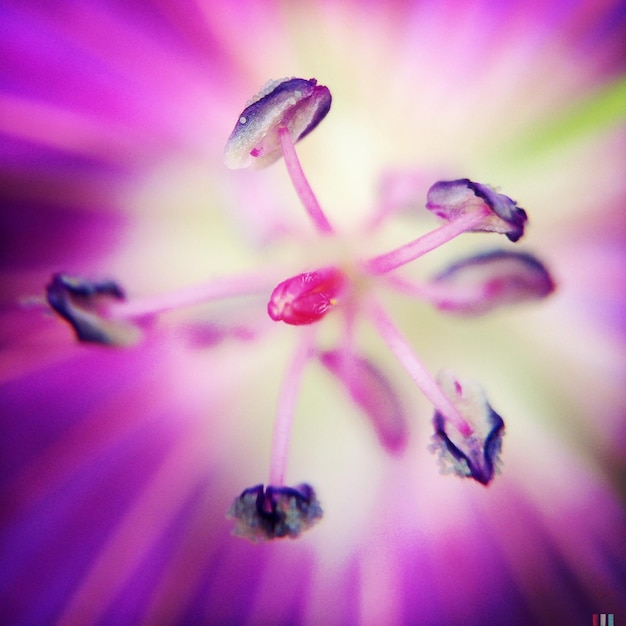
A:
{"points": [[301, 184], [416, 370], [399, 191], [82, 303], [230, 287], [477, 455], [480, 283], [483, 282], [295, 103], [430, 241], [287, 406], [275, 512], [372, 391]]}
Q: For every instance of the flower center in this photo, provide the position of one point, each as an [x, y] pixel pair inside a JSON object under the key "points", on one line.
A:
{"points": [[467, 431]]}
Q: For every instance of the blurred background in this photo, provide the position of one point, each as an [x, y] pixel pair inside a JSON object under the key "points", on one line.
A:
{"points": [[117, 466]]}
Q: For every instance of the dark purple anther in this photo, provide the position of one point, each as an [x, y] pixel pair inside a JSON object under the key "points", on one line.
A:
{"points": [[81, 302], [474, 454], [483, 282], [293, 103], [450, 200], [306, 298], [267, 513]]}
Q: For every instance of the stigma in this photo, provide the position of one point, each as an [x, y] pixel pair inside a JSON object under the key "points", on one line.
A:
{"points": [[306, 298]]}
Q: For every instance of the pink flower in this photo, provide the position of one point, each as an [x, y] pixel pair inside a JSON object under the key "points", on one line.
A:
{"points": [[119, 464]]}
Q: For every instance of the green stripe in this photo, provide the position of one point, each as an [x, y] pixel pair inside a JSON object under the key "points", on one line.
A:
{"points": [[597, 113]]}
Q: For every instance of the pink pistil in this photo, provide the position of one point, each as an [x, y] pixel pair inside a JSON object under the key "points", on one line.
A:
{"points": [[286, 408], [416, 370], [301, 184], [430, 241], [306, 298]]}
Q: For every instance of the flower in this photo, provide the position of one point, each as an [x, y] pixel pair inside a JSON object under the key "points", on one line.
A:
{"points": [[294, 105], [119, 464]]}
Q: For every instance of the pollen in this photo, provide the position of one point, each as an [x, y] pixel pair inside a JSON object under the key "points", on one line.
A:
{"points": [[82, 303], [262, 514], [475, 454], [293, 103]]}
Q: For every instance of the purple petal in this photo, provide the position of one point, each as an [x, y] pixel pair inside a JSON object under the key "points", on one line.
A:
{"points": [[370, 389], [295, 103], [81, 303], [451, 199], [483, 282], [475, 455], [275, 512]]}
